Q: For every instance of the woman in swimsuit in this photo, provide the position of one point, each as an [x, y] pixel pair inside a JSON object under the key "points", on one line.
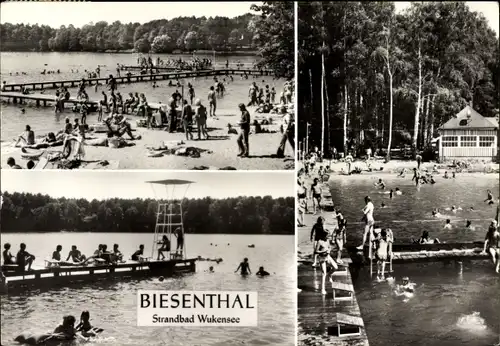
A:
{"points": [[165, 247], [381, 253], [245, 267], [492, 244], [316, 195], [318, 232], [340, 238], [323, 252], [7, 256]]}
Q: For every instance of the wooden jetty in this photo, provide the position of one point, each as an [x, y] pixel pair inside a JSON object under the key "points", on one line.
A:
{"points": [[46, 100], [334, 318], [70, 83], [51, 276], [155, 68]]}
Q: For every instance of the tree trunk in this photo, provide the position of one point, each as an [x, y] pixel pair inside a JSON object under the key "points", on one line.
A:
{"points": [[431, 119], [361, 120], [425, 120], [345, 119], [323, 99], [311, 88], [417, 110], [388, 157], [327, 110]]}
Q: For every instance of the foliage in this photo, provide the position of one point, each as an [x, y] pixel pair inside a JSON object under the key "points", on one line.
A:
{"points": [[440, 50], [274, 35], [23, 212], [219, 33]]}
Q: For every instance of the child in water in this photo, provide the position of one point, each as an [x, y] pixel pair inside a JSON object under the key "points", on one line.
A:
{"points": [[262, 272], [85, 327], [245, 267]]}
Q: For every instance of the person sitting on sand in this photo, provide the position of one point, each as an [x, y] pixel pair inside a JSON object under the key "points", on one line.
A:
{"points": [[24, 258], [448, 224], [11, 162], [245, 267], [27, 137], [123, 126], [489, 198], [7, 256], [67, 328], [75, 255], [137, 256], [492, 244], [262, 272], [56, 255]]}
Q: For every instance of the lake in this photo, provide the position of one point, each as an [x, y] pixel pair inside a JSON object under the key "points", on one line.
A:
{"points": [[112, 304], [451, 306], [43, 120]]}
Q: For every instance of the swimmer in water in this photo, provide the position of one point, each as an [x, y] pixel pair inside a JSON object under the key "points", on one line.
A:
{"points": [[406, 286], [383, 205], [391, 193], [446, 175], [211, 269], [489, 199], [67, 328], [245, 267], [468, 225], [262, 272], [380, 184], [448, 224], [424, 239], [432, 181], [398, 191]]}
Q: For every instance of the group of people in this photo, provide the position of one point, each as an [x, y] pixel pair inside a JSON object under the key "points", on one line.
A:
{"points": [[67, 329], [244, 269]]}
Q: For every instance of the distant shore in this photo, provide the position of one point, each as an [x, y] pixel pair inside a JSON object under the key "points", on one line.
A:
{"points": [[131, 51]]}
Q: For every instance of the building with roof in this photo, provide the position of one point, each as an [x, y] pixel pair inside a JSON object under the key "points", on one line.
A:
{"points": [[469, 135]]}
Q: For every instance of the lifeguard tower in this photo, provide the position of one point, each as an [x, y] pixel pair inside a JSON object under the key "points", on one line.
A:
{"points": [[169, 219]]}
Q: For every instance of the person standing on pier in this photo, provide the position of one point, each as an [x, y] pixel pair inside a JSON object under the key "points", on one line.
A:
{"points": [[368, 219], [492, 244], [244, 123], [111, 83]]}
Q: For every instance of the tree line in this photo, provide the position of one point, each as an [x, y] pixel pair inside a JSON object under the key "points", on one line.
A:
{"points": [[377, 78], [25, 212], [157, 36]]}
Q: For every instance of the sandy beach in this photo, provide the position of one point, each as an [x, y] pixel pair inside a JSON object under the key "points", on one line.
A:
{"points": [[219, 152]]}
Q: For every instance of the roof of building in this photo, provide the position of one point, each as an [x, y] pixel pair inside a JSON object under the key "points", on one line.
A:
{"points": [[468, 118]]}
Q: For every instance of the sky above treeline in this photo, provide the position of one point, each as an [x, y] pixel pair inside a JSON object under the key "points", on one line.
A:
{"points": [[130, 185], [58, 13], [55, 13]]}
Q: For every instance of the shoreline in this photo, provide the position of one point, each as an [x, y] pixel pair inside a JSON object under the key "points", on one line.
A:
{"points": [[128, 51]]}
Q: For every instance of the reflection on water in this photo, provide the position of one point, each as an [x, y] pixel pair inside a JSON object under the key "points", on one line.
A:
{"points": [[112, 303], [43, 120], [455, 304]]}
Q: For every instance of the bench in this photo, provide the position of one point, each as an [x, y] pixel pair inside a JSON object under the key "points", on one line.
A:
{"points": [[347, 325], [343, 287]]}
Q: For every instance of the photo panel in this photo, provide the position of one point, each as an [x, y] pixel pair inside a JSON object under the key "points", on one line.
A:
{"points": [[159, 85], [398, 173], [208, 258]]}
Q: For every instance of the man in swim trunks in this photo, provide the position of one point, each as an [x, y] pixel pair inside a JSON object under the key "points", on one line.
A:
{"points": [[138, 254], [75, 255], [328, 265], [244, 123], [368, 219], [212, 101], [56, 255], [492, 244], [180, 240], [316, 195], [191, 93], [24, 258], [245, 267], [262, 272]]}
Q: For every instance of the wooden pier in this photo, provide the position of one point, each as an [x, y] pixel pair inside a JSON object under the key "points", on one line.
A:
{"points": [[334, 318], [61, 275], [71, 83], [48, 100]]}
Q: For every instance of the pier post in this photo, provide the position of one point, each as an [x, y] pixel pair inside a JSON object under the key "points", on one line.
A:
{"points": [[14, 100], [38, 103]]}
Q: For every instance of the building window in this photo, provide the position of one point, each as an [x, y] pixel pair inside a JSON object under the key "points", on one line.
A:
{"points": [[450, 141], [486, 141], [468, 141]]}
